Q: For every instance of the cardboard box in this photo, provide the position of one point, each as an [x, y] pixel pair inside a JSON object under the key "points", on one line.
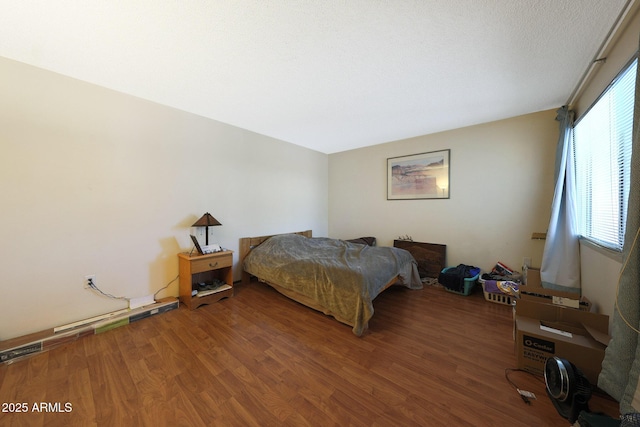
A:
{"points": [[534, 291], [547, 330]]}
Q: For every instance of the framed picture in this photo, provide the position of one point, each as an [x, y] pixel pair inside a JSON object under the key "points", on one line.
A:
{"points": [[418, 176]]}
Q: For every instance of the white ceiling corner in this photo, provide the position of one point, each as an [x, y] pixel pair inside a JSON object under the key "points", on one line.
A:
{"points": [[328, 75]]}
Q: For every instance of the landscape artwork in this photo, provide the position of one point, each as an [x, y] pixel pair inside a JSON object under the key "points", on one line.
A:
{"points": [[418, 176]]}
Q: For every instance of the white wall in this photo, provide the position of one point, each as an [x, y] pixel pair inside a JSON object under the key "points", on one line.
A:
{"points": [[501, 188], [96, 182]]}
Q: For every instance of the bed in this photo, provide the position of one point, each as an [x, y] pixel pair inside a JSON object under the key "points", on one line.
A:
{"points": [[336, 277]]}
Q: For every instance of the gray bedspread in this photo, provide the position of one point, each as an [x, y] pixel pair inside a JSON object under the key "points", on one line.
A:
{"points": [[341, 278]]}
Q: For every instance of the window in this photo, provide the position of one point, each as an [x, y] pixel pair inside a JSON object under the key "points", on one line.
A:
{"points": [[602, 143]]}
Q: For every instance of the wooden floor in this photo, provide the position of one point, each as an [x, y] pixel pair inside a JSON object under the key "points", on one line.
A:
{"points": [[430, 358]]}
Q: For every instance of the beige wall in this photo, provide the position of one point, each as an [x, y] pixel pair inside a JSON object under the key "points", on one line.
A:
{"points": [[599, 276], [510, 161], [623, 46], [501, 189], [600, 268], [97, 182]]}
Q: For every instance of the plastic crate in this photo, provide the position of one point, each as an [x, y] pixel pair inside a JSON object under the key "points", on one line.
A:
{"points": [[497, 298], [469, 284]]}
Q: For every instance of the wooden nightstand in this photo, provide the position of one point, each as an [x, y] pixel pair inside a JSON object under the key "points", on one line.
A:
{"points": [[196, 269]]}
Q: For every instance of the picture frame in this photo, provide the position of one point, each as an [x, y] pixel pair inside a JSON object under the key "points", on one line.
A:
{"points": [[419, 176]]}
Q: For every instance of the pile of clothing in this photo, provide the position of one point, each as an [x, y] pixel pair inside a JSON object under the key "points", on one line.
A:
{"points": [[502, 279], [453, 278]]}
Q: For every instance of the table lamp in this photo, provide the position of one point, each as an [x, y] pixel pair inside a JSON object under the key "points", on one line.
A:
{"points": [[206, 221]]}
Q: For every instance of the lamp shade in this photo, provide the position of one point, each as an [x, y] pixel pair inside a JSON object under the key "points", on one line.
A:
{"points": [[206, 220]]}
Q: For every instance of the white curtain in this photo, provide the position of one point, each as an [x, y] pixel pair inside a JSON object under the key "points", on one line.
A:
{"points": [[560, 268]]}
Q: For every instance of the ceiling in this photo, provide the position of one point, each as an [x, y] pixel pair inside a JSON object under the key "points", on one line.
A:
{"points": [[330, 75]]}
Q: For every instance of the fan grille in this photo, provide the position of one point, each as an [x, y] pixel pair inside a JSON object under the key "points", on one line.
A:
{"points": [[558, 376]]}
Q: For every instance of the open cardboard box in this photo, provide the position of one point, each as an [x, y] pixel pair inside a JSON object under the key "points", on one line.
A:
{"points": [[547, 330], [534, 291]]}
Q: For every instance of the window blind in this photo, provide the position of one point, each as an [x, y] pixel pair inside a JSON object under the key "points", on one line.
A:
{"points": [[602, 142]]}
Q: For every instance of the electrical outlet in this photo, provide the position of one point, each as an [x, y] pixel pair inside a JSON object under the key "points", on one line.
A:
{"points": [[90, 278]]}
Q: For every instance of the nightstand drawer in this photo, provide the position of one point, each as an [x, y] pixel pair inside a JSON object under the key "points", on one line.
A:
{"points": [[200, 265]]}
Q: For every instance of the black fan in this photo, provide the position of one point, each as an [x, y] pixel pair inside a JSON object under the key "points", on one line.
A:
{"points": [[567, 387]]}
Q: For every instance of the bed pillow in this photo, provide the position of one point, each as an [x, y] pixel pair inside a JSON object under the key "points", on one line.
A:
{"points": [[369, 241]]}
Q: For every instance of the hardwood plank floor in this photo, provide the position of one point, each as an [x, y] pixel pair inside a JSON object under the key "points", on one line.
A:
{"points": [[430, 358]]}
